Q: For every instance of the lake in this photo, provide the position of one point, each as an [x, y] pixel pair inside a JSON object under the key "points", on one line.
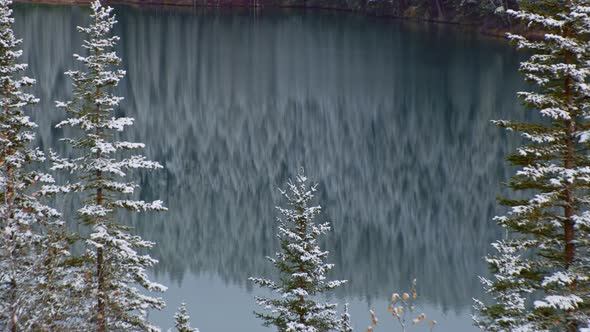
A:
{"points": [[391, 119]]}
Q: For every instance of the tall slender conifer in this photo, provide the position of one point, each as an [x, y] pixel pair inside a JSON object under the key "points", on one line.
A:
{"points": [[113, 267], [30, 231], [542, 267], [16, 201]]}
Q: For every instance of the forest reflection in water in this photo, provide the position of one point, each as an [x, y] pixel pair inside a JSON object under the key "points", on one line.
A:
{"points": [[392, 120]]}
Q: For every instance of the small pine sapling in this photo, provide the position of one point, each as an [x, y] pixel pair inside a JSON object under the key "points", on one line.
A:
{"points": [[345, 320], [182, 320], [302, 268]]}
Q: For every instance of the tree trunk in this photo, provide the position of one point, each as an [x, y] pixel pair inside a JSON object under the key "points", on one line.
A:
{"points": [[101, 307], [13, 323], [401, 7], [9, 197], [569, 163], [9, 194], [512, 4], [100, 315], [439, 9], [569, 158]]}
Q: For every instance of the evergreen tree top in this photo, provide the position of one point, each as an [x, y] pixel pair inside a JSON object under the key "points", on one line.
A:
{"points": [[302, 267], [182, 320]]}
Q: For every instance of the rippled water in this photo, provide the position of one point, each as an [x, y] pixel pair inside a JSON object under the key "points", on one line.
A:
{"points": [[392, 120]]}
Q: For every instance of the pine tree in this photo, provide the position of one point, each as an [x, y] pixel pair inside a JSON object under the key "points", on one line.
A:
{"points": [[345, 320], [509, 291], [27, 225], [182, 320], [545, 258], [302, 267], [55, 305], [111, 264]]}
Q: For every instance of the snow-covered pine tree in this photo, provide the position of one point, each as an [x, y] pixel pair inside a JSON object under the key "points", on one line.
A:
{"points": [[112, 266], [545, 256], [508, 289], [302, 267], [345, 321], [182, 320], [55, 305], [30, 231]]}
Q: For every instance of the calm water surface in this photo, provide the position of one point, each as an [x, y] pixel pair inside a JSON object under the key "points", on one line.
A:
{"points": [[392, 120]]}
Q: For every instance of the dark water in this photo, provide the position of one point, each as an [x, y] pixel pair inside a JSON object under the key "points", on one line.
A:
{"points": [[392, 120]]}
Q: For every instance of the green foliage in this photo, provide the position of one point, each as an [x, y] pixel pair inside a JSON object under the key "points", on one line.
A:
{"points": [[112, 266], [33, 242], [345, 324], [182, 320], [546, 253], [302, 269], [459, 10]]}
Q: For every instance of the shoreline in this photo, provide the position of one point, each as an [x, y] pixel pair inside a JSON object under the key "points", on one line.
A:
{"points": [[487, 26]]}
